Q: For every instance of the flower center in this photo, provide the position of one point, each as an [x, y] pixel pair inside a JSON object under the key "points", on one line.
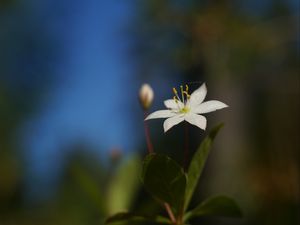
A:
{"points": [[184, 110]]}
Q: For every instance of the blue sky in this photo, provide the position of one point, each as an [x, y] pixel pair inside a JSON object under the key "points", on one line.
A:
{"points": [[92, 99]]}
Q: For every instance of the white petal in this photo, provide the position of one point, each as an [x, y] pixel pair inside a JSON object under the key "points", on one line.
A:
{"points": [[197, 120], [209, 106], [160, 114], [198, 95], [169, 123], [172, 104]]}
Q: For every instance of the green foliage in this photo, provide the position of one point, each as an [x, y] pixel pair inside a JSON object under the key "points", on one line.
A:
{"points": [[168, 183], [164, 179], [197, 164], [132, 219], [124, 186], [216, 206], [90, 187]]}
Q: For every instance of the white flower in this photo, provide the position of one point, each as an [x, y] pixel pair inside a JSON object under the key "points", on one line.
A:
{"points": [[187, 108]]}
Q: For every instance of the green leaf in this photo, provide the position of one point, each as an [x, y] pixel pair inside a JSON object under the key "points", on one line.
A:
{"points": [[90, 186], [216, 206], [125, 218], [164, 179], [123, 186], [197, 164]]}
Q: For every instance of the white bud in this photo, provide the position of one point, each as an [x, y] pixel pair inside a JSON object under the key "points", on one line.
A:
{"points": [[146, 96]]}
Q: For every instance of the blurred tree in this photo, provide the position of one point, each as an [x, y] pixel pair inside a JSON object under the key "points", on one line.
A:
{"points": [[6, 3], [25, 74]]}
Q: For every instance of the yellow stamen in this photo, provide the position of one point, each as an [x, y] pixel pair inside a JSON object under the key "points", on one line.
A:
{"points": [[182, 94], [186, 92], [176, 94], [175, 99], [175, 91]]}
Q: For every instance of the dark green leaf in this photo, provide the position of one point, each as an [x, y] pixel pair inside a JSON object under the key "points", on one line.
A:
{"points": [[164, 179], [197, 164], [216, 206], [125, 218]]}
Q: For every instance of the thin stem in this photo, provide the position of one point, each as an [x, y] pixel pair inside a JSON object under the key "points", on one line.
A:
{"points": [[186, 147], [170, 213], [147, 134], [180, 216], [150, 150]]}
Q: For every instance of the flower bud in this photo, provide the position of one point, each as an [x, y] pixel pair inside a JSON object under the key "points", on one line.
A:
{"points": [[146, 96], [115, 154]]}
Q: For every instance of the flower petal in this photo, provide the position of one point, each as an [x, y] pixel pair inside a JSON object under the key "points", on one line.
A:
{"points": [[198, 95], [197, 120], [209, 106], [169, 123], [172, 104], [160, 114]]}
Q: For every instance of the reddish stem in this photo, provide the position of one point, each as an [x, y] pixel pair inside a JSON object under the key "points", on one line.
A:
{"points": [[150, 150], [170, 213], [147, 134]]}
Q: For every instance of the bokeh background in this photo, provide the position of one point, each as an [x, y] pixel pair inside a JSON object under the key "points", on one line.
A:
{"points": [[71, 130]]}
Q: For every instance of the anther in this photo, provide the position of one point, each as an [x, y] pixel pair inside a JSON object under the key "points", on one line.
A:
{"points": [[186, 94], [175, 99], [186, 88], [175, 91], [176, 94]]}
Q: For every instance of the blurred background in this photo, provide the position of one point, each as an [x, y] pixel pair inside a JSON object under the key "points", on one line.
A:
{"points": [[71, 127]]}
